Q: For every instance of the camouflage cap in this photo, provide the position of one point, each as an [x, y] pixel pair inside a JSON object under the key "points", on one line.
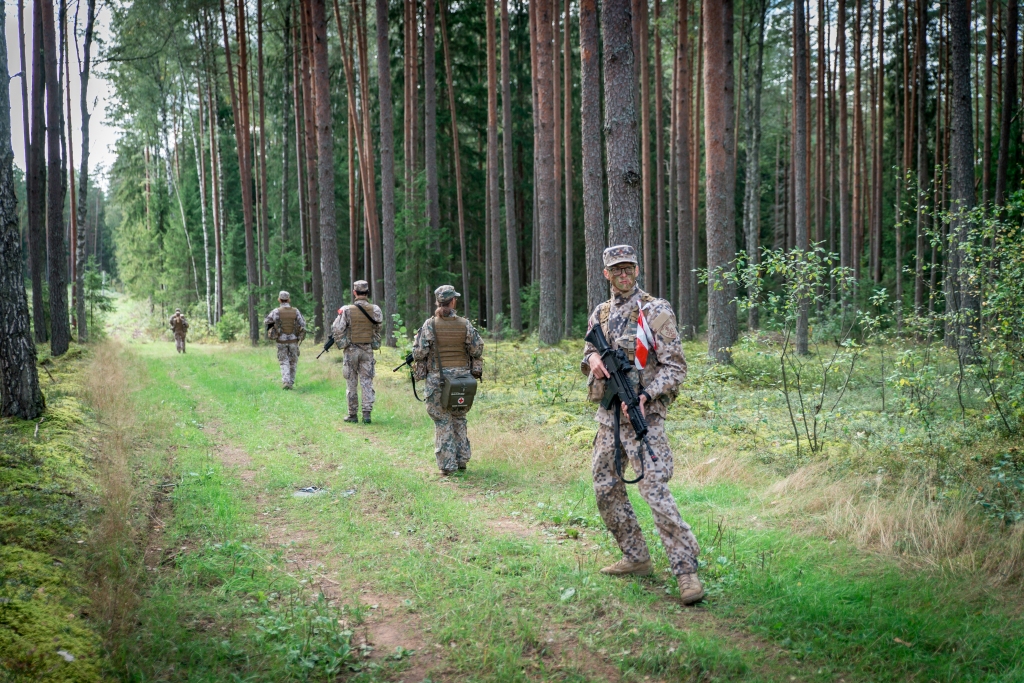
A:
{"points": [[361, 286], [445, 293], [284, 296], [177, 310], [620, 253]]}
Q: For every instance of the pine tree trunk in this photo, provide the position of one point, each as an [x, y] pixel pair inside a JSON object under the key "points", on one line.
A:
{"points": [[1009, 102], [511, 236], [83, 176], [593, 167], [962, 303], [430, 123], [197, 146], [721, 176], [264, 195], [800, 85], [642, 31], [986, 144], [312, 172], [821, 146], [556, 88], [922, 155], [879, 134], [567, 169], [621, 143], [550, 327], [493, 227], [330, 268], [56, 250], [19, 379], [659, 158], [387, 171], [845, 229], [752, 183], [35, 178], [458, 170], [686, 173]]}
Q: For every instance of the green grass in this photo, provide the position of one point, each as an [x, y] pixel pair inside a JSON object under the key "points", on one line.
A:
{"points": [[502, 562]]}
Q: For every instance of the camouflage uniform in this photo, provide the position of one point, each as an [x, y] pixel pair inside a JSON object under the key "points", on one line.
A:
{"points": [[287, 344], [180, 327], [451, 442], [660, 379], [359, 365]]}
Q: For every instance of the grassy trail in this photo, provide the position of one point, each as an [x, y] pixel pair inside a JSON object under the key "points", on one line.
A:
{"points": [[491, 575]]}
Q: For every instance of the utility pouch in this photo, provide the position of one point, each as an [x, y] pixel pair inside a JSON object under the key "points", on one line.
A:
{"points": [[458, 392]]}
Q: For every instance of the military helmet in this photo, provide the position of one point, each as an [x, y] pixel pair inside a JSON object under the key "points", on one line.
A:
{"points": [[445, 293]]}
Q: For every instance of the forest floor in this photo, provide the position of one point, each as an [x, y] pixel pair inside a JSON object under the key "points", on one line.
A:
{"points": [[819, 567]]}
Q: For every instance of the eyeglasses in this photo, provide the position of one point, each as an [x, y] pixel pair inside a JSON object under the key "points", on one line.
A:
{"points": [[619, 270]]}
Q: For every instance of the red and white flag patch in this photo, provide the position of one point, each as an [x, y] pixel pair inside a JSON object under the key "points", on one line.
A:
{"points": [[645, 341]]}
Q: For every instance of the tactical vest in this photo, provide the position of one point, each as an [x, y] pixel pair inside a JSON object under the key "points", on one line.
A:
{"points": [[450, 335], [287, 316], [604, 312], [361, 329]]}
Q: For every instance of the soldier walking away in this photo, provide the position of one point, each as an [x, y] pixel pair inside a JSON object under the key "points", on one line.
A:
{"points": [[645, 328], [447, 347], [357, 332], [180, 326], [287, 327]]}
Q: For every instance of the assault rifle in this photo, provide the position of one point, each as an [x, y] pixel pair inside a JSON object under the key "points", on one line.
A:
{"points": [[327, 346], [409, 360], [619, 392]]}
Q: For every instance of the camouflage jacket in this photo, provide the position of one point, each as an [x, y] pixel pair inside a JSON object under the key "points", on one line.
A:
{"points": [[425, 354], [179, 324], [341, 327], [666, 366], [273, 324]]}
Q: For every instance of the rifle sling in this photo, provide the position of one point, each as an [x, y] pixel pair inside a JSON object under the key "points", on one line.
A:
{"points": [[619, 466]]}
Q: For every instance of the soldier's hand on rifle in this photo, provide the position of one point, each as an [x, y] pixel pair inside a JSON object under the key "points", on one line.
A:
{"points": [[597, 366], [643, 401]]}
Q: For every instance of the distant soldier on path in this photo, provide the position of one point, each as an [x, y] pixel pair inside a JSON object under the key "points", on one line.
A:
{"points": [[180, 327], [357, 332], [645, 328], [447, 346], [287, 327]]}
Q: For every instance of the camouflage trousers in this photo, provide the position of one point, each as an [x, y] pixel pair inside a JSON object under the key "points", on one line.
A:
{"points": [[617, 512], [288, 357], [179, 343], [358, 370], [451, 440]]}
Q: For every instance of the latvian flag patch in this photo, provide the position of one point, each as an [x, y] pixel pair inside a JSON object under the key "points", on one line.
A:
{"points": [[645, 341]]}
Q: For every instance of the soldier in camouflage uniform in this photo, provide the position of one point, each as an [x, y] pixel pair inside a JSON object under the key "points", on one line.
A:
{"points": [[287, 327], [357, 331], [447, 346], [657, 385], [180, 327]]}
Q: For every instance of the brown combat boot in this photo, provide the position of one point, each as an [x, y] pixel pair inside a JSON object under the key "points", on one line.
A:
{"points": [[690, 588], [626, 568], [351, 418]]}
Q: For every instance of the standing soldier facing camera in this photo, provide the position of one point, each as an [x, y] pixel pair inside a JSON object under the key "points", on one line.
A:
{"points": [[448, 353], [180, 327], [287, 327], [357, 332], [643, 327]]}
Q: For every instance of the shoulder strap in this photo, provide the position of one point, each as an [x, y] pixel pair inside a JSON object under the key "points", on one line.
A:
{"points": [[368, 316]]}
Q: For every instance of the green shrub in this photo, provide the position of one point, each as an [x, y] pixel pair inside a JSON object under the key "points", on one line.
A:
{"points": [[230, 326]]}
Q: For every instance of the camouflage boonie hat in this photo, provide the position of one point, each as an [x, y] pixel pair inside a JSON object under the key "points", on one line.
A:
{"points": [[620, 253], [284, 296], [445, 293], [361, 286]]}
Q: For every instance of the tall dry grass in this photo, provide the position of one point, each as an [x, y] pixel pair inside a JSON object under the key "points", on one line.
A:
{"points": [[905, 519], [116, 570]]}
